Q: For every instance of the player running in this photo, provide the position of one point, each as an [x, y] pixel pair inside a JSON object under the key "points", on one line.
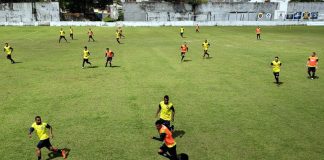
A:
{"points": [[169, 144], [167, 112], [41, 131], [62, 35], [109, 54], [205, 45], [276, 64], [8, 50], [181, 32], [312, 65], [90, 34], [86, 55], [120, 31], [184, 49], [117, 36]]}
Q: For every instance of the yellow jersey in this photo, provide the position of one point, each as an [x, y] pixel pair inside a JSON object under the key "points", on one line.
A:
{"points": [[181, 30], [276, 66], [117, 35], [205, 45], [166, 111], [86, 54], [41, 130], [62, 33], [7, 49], [71, 31]]}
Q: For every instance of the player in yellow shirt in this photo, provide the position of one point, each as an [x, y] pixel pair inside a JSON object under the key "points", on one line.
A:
{"points": [[86, 55], [205, 46], [181, 32], [41, 131], [276, 65], [8, 50], [62, 35], [71, 33], [117, 36], [120, 31], [166, 112], [197, 28]]}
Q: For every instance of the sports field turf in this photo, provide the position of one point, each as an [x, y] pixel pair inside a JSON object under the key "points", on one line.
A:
{"points": [[227, 107]]}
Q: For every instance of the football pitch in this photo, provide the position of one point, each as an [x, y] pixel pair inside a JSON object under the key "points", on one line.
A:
{"points": [[227, 107]]}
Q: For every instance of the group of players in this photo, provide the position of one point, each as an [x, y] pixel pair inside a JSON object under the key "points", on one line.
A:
{"points": [[166, 111], [109, 54]]}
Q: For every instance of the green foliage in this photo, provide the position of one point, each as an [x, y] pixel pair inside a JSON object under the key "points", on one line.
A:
{"points": [[108, 19]]}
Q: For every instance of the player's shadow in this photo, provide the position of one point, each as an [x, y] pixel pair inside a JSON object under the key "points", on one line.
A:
{"points": [[53, 155], [93, 66], [316, 77], [18, 62], [208, 57], [187, 60], [279, 83], [183, 156], [178, 133], [115, 66]]}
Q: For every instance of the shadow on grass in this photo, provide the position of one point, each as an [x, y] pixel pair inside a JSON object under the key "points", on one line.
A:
{"points": [[183, 156], [208, 57], [93, 66], [115, 66], [187, 60], [53, 155], [17, 62], [178, 133]]}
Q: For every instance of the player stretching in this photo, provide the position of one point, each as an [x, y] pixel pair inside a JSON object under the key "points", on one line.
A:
{"points": [[109, 54], [71, 33], [86, 55], [181, 32], [197, 28], [258, 33], [90, 33], [276, 64], [62, 35], [312, 65], [7, 49], [117, 36], [167, 112], [184, 49], [41, 131], [169, 144], [206, 46]]}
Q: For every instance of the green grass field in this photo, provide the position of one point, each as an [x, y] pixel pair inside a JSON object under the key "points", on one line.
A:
{"points": [[227, 107]]}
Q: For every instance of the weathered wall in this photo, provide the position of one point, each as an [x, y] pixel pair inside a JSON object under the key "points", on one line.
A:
{"points": [[22, 12], [213, 11]]}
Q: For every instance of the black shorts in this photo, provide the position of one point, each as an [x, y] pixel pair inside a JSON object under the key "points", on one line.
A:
{"points": [[181, 34], [90, 36], [172, 151], [85, 60], [311, 69], [8, 56], [166, 123], [276, 73], [183, 53], [109, 59], [71, 34], [44, 143], [62, 37]]}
